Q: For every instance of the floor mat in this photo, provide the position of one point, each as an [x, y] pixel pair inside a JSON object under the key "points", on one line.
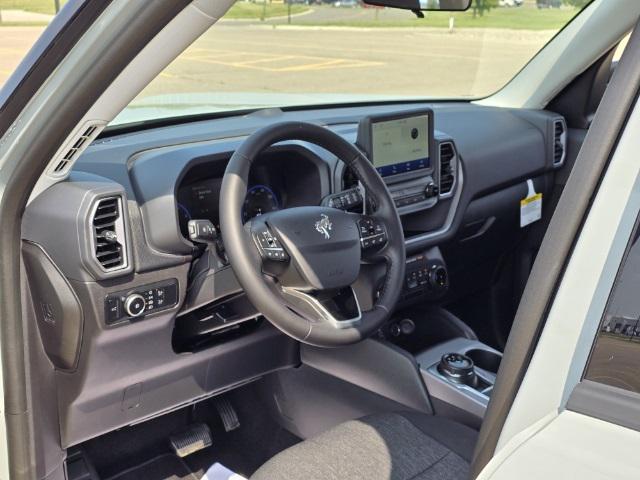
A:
{"points": [[163, 467]]}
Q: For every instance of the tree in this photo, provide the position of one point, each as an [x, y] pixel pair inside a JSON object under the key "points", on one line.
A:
{"points": [[577, 3], [479, 7]]}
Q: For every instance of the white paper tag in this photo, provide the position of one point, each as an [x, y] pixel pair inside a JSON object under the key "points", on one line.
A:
{"points": [[531, 206], [218, 471]]}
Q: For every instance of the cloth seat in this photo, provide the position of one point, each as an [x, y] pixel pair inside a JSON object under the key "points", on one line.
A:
{"points": [[390, 446]]}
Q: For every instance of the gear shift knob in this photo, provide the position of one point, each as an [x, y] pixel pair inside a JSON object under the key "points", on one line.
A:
{"points": [[458, 368]]}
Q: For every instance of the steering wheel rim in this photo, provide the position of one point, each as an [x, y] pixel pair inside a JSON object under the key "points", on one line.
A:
{"points": [[265, 292]]}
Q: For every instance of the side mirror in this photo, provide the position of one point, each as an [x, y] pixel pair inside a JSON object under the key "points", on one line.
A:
{"points": [[420, 5]]}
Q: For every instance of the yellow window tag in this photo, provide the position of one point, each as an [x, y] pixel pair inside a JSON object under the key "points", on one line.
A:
{"points": [[530, 207]]}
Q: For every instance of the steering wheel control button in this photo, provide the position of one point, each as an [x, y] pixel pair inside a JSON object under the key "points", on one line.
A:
{"points": [[143, 301], [135, 305], [346, 200], [372, 233], [269, 246], [202, 231]]}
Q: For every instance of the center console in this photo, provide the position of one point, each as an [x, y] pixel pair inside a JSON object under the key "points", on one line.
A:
{"points": [[459, 375]]}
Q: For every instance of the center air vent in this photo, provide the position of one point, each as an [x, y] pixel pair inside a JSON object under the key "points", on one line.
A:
{"points": [[559, 142], [109, 234], [448, 167]]}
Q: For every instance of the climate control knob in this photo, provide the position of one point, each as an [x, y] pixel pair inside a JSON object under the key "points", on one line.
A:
{"points": [[134, 305]]}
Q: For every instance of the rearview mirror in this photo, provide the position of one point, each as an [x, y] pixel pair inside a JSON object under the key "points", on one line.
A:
{"points": [[419, 5]]}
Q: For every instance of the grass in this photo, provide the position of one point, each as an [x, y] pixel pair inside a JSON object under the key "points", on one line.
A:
{"points": [[37, 6], [246, 10], [523, 18], [527, 17]]}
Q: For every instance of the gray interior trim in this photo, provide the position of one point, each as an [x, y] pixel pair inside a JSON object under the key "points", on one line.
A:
{"points": [[557, 246], [20, 167], [72, 205], [611, 404], [465, 398], [453, 209], [307, 401], [375, 366]]}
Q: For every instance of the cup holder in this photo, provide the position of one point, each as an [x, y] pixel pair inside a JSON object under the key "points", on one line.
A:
{"points": [[485, 359]]}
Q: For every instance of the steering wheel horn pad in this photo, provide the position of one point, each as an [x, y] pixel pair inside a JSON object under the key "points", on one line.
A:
{"points": [[323, 245], [320, 248]]}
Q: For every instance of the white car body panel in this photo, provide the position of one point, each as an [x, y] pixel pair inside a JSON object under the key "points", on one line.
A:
{"points": [[571, 447]]}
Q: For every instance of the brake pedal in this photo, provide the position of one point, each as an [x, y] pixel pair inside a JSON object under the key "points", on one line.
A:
{"points": [[195, 438], [227, 414]]}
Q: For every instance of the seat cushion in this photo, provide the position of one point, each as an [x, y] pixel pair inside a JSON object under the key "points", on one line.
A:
{"points": [[390, 446]]}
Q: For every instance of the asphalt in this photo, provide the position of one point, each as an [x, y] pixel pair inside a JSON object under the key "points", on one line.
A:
{"points": [[260, 58], [615, 362], [298, 59]]}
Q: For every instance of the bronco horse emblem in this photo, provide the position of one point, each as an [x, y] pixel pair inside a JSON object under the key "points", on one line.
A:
{"points": [[324, 225]]}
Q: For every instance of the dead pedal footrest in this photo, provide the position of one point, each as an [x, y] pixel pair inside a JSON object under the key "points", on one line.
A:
{"points": [[195, 438]]}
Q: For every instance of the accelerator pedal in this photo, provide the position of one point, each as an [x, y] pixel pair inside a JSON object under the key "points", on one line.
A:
{"points": [[195, 438], [227, 414]]}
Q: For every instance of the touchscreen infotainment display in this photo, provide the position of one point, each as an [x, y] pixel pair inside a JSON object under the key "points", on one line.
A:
{"points": [[400, 145]]}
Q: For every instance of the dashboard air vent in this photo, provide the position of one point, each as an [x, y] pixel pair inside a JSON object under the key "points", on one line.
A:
{"points": [[448, 166], [108, 233], [559, 142], [73, 151]]}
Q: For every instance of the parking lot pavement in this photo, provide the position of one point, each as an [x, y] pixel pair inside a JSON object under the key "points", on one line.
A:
{"points": [[240, 57], [614, 362], [14, 44], [298, 59]]}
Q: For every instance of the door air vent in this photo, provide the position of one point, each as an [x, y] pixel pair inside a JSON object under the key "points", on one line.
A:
{"points": [[73, 151], [559, 142], [109, 234], [448, 167]]}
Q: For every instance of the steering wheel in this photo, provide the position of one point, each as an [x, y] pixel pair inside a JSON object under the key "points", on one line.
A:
{"points": [[297, 265]]}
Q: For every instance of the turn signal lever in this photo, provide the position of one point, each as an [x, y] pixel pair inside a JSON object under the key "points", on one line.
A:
{"points": [[204, 232]]}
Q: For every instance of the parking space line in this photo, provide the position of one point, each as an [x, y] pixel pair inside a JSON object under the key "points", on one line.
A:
{"points": [[275, 58], [335, 63], [169, 75], [217, 53], [305, 62]]}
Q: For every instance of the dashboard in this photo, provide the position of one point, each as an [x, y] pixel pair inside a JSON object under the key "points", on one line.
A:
{"points": [[153, 320]]}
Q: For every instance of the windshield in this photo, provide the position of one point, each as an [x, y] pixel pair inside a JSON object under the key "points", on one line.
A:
{"points": [[304, 53]]}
